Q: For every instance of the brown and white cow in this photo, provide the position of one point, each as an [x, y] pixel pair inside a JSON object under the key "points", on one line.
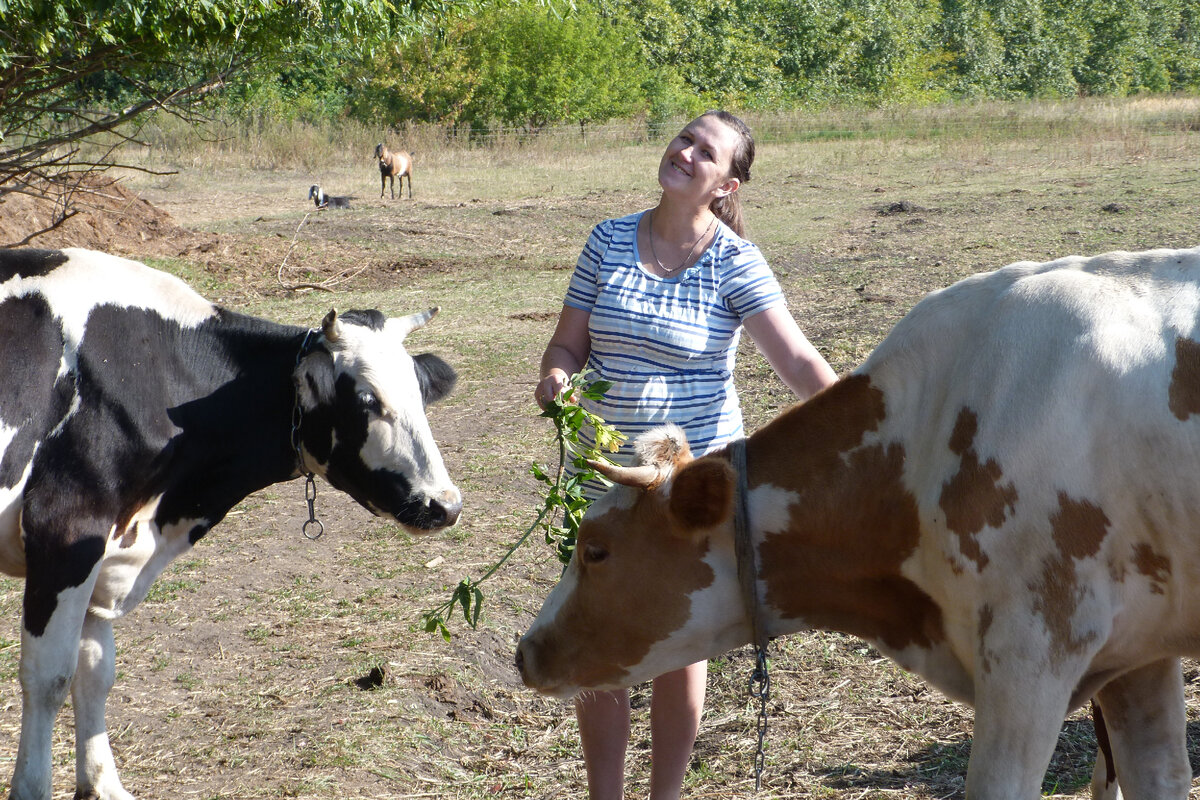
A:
{"points": [[1004, 498]]}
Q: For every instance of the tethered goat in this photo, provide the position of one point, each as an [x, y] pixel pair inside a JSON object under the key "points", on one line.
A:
{"points": [[392, 166], [322, 200]]}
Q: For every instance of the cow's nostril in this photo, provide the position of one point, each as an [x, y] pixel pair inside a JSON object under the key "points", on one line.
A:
{"points": [[445, 512], [440, 516], [520, 661]]}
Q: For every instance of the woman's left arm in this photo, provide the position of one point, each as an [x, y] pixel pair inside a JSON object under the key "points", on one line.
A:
{"points": [[788, 351]]}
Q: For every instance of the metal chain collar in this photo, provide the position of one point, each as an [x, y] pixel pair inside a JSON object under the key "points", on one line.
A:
{"points": [[760, 689], [312, 527], [747, 564]]}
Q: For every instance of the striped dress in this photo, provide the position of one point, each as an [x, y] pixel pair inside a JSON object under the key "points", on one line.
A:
{"points": [[668, 344]]}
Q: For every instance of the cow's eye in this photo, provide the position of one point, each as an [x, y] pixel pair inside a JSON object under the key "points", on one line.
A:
{"points": [[369, 402], [594, 553]]}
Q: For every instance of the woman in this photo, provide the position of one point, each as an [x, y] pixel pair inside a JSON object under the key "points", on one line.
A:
{"points": [[656, 305]]}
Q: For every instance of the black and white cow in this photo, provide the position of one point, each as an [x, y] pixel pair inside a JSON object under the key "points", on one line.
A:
{"points": [[133, 415]]}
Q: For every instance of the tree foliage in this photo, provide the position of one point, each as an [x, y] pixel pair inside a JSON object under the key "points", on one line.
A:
{"points": [[78, 70], [536, 68], [520, 64]]}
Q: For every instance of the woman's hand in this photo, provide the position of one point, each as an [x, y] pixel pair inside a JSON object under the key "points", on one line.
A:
{"points": [[550, 386]]}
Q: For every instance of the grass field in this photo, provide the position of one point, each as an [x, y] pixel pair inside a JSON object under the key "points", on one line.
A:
{"points": [[240, 676]]}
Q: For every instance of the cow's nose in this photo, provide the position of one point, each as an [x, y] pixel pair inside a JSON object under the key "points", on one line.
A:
{"points": [[444, 511]]}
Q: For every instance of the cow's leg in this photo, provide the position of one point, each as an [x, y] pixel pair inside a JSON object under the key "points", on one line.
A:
{"points": [[1145, 715], [1102, 789], [95, 770], [1018, 714], [47, 667]]}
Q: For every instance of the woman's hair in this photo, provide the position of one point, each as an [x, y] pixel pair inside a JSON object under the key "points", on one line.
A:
{"points": [[728, 209]]}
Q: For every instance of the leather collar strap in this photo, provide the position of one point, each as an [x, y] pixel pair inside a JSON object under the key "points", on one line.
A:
{"points": [[747, 562], [747, 565]]}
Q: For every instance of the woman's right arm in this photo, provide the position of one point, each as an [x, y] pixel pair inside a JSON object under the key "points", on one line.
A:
{"points": [[565, 355]]}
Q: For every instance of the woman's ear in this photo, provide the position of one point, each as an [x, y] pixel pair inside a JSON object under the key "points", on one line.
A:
{"points": [[727, 188]]}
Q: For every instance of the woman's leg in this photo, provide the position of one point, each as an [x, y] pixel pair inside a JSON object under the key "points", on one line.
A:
{"points": [[604, 733], [675, 709]]}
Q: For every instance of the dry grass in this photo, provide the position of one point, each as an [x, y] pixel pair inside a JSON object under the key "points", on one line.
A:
{"points": [[240, 676]]}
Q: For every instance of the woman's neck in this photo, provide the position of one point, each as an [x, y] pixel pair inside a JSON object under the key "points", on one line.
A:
{"points": [[680, 223], [668, 245]]}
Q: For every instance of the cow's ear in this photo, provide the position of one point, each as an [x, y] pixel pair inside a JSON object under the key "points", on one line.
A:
{"points": [[702, 493], [314, 379], [437, 378]]}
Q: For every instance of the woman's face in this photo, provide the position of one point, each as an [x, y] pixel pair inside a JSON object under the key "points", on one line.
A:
{"points": [[697, 163]]}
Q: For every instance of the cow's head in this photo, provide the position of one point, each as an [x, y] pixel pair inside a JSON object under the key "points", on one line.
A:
{"points": [[652, 585], [362, 401]]}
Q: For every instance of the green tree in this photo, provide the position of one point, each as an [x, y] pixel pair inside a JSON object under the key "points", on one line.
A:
{"points": [[535, 67], [1182, 53], [703, 55], [1116, 45], [79, 70], [815, 42], [429, 77], [898, 57], [1042, 42], [973, 49]]}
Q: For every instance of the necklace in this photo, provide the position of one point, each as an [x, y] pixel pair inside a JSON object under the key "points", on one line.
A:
{"points": [[686, 258]]}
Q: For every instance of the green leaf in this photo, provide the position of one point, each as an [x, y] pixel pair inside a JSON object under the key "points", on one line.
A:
{"points": [[564, 495], [478, 595], [463, 595]]}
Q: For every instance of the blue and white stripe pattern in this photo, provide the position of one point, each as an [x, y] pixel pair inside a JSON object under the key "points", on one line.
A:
{"points": [[668, 344]]}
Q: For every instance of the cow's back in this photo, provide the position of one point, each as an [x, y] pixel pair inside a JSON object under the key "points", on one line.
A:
{"points": [[1050, 417], [69, 319]]}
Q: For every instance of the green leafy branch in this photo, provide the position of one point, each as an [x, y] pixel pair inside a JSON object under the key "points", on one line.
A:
{"points": [[564, 494]]}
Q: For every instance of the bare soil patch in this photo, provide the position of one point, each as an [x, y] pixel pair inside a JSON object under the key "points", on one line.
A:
{"points": [[101, 214]]}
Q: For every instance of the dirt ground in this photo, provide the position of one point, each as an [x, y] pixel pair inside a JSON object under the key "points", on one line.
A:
{"points": [[265, 665]]}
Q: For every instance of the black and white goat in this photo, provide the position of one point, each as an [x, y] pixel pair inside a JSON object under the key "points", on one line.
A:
{"points": [[322, 200]]}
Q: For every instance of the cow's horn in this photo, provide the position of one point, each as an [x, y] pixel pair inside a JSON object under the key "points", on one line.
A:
{"points": [[330, 326], [410, 323], [644, 476]]}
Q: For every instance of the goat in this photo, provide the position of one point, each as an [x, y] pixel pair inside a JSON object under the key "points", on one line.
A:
{"points": [[392, 166], [322, 200]]}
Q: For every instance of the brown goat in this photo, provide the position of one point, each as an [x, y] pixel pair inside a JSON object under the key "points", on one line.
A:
{"points": [[392, 166]]}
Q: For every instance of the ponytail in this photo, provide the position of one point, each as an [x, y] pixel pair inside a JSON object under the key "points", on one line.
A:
{"points": [[728, 209]]}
